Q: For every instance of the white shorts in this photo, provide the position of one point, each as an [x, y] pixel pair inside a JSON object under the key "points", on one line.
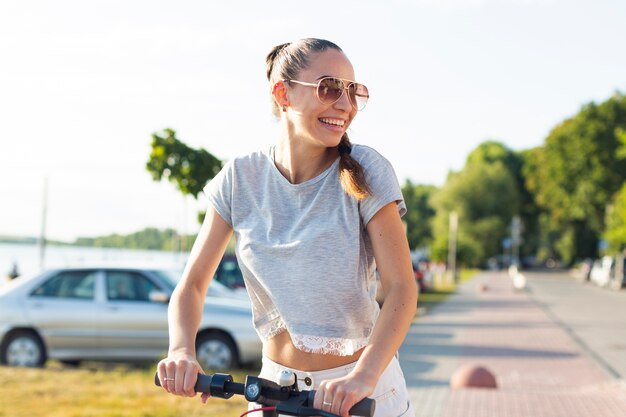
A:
{"points": [[391, 395]]}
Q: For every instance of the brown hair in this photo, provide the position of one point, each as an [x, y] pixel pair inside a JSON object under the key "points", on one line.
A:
{"points": [[284, 62]]}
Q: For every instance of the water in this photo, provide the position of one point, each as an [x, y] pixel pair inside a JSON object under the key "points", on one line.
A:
{"points": [[27, 258]]}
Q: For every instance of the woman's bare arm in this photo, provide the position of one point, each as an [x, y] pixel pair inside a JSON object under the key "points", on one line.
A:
{"points": [[186, 304], [393, 260]]}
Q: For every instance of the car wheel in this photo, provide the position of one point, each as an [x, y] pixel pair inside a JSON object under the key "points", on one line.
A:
{"points": [[216, 351], [23, 348]]}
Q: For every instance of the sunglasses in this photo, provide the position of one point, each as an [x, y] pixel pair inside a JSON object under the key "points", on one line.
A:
{"points": [[330, 89]]}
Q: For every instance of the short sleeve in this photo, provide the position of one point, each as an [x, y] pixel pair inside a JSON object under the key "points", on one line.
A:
{"points": [[219, 192], [383, 183]]}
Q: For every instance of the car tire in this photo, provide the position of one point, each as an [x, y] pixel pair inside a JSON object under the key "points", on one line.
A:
{"points": [[216, 351], [23, 348]]}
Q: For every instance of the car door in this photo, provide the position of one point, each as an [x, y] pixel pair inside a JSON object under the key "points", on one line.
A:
{"points": [[63, 308], [130, 324]]}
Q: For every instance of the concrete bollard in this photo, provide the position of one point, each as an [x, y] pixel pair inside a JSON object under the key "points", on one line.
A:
{"points": [[472, 376], [519, 282], [482, 287]]}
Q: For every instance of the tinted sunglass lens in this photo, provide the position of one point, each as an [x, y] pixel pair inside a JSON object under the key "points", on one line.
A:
{"points": [[359, 95], [329, 90]]}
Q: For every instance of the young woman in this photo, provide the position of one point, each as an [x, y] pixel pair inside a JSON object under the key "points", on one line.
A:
{"points": [[313, 217]]}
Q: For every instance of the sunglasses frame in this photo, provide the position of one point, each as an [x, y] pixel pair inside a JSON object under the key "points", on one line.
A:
{"points": [[346, 86]]}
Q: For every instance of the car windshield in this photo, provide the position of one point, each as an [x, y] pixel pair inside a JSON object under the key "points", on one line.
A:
{"points": [[216, 289], [169, 277]]}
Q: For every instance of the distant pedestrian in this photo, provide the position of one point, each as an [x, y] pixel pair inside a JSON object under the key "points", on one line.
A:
{"points": [[313, 217], [14, 272]]}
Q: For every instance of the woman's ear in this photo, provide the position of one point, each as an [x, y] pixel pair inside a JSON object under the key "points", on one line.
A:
{"points": [[280, 94]]}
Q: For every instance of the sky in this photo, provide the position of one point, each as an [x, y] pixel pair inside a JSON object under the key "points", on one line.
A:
{"points": [[84, 84]]}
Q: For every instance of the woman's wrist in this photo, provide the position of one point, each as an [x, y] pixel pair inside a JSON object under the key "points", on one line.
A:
{"points": [[182, 352], [366, 374]]}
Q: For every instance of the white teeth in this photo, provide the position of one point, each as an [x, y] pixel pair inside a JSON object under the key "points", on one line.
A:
{"points": [[335, 122]]}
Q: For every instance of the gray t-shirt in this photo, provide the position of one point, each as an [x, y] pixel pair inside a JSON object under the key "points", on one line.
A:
{"points": [[305, 254]]}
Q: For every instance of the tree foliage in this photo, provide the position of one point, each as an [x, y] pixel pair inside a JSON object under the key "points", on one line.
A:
{"points": [[615, 233], [420, 213], [149, 238], [530, 213], [190, 169], [485, 196], [577, 171]]}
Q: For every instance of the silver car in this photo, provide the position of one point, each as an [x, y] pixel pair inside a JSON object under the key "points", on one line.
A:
{"points": [[115, 314]]}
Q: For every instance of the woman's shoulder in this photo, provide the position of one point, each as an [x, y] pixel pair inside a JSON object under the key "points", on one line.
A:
{"points": [[250, 160], [365, 155]]}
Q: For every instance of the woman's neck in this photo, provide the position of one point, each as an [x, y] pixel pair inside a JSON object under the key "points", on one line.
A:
{"points": [[299, 162]]}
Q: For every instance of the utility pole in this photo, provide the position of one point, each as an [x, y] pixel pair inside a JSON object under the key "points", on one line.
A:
{"points": [[454, 225], [42, 236], [516, 235]]}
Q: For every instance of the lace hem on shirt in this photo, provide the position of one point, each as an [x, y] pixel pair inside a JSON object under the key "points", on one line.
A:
{"points": [[314, 344], [328, 345], [271, 329]]}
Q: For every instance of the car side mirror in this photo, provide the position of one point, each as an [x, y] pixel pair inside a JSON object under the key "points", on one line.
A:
{"points": [[159, 297]]}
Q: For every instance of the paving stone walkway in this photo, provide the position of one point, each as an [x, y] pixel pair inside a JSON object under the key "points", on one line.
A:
{"points": [[540, 369]]}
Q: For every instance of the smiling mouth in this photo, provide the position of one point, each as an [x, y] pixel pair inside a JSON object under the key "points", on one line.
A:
{"points": [[333, 122]]}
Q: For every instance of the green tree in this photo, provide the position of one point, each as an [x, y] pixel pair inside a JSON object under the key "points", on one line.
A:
{"points": [[492, 152], [575, 174], [190, 169], [546, 233], [485, 196], [615, 233], [149, 238], [419, 214]]}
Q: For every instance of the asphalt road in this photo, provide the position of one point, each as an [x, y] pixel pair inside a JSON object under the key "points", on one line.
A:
{"points": [[594, 317]]}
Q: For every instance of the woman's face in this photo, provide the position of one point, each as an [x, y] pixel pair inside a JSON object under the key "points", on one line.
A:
{"points": [[308, 118]]}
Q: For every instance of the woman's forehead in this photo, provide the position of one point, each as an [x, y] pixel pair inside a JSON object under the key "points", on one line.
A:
{"points": [[330, 62]]}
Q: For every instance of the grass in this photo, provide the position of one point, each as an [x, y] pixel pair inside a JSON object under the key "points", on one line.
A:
{"points": [[97, 390], [442, 289]]}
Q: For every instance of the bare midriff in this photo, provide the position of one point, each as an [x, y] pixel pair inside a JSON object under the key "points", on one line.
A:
{"points": [[281, 350]]}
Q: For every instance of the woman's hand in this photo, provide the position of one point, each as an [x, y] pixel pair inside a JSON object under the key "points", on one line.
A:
{"points": [[178, 374], [337, 396]]}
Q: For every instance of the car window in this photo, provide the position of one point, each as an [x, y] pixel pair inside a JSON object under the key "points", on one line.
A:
{"points": [[169, 277], [68, 284], [229, 274], [129, 286]]}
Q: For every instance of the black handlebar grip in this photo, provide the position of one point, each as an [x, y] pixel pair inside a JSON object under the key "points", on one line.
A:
{"points": [[203, 384], [364, 408]]}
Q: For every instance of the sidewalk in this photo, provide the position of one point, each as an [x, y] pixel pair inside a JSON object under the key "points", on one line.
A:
{"points": [[540, 370]]}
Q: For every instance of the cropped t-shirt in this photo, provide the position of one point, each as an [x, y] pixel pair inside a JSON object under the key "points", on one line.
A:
{"points": [[304, 250]]}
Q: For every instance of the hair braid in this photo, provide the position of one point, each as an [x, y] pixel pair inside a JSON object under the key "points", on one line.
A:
{"points": [[351, 173]]}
